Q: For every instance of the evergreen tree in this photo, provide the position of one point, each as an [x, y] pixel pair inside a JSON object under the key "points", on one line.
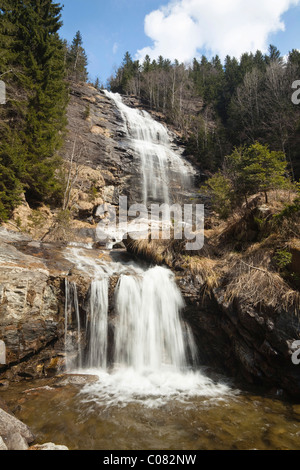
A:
{"points": [[42, 57], [34, 117], [218, 107], [274, 55], [11, 114], [246, 64], [232, 78], [97, 84], [146, 64], [77, 60], [220, 189], [257, 169], [259, 61]]}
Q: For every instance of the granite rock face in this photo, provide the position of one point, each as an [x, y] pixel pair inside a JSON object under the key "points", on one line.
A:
{"points": [[106, 150], [31, 308]]}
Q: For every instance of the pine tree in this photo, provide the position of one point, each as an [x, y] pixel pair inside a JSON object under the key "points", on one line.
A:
{"points": [[12, 152], [77, 60], [257, 169], [97, 84], [274, 55], [220, 189], [35, 115], [42, 57]]}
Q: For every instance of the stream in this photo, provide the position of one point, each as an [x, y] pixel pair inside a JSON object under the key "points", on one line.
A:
{"points": [[87, 417]]}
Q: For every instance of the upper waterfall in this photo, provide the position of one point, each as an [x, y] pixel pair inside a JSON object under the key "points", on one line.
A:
{"points": [[161, 167]]}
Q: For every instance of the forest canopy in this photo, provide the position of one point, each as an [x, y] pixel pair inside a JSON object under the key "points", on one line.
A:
{"points": [[219, 106]]}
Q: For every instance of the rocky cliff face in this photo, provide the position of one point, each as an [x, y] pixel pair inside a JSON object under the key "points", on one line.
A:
{"points": [[254, 345], [39, 342], [31, 308], [95, 122]]}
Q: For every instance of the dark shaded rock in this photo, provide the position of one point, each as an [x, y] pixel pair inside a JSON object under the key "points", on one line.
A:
{"points": [[251, 344]]}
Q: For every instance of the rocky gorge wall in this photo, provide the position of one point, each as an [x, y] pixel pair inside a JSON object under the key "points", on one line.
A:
{"points": [[254, 345], [31, 306]]}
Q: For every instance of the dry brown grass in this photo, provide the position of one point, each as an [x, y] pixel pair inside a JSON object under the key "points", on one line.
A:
{"points": [[255, 223], [208, 269], [252, 278], [241, 267], [154, 251]]}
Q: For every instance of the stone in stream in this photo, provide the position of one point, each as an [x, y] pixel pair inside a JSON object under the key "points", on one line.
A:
{"points": [[14, 434]]}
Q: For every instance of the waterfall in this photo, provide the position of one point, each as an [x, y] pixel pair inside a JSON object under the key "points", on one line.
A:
{"points": [[150, 140], [149, 332], [152, 353], [72, 306], [154, 357], [97, 326]]}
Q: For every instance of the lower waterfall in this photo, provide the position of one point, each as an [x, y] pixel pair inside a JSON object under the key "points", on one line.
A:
{"points": [[153, 355], [149, 332], [72, 308], [98, 324]]}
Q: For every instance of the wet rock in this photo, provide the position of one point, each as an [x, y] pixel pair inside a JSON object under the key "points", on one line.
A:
{"points": [[31, 310], [76, 379], [16, 441], [103, 135]]}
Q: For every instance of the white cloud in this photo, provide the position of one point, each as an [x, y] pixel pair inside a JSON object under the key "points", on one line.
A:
{"points": [[115, 48], [184, 27]]}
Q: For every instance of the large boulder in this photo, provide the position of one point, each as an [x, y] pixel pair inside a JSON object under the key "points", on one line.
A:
{"points": [[14, 435]]}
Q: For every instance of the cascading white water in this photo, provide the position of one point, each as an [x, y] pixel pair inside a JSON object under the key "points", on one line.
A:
{"points": [[154, 350], [150, 141], [97, 326], [72, 305], [149, 332]]}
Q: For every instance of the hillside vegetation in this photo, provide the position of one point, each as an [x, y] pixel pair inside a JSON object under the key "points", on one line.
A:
{"points": [[219, 106]]}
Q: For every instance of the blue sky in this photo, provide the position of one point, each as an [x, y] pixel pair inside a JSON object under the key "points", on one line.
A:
{"points": [[109, 29], [180, 29]]}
